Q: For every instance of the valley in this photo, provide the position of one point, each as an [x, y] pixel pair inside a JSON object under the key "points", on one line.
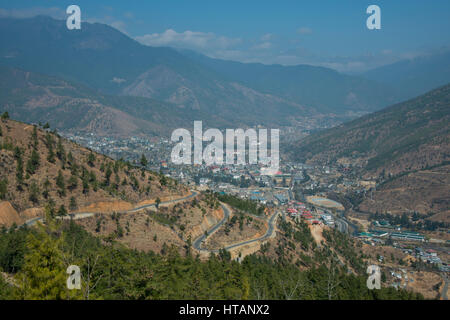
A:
{"points": [[88, 179]]}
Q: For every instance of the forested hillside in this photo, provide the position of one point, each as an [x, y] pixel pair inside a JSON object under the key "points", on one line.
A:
{"points": [[40, 169], [114, 272]]}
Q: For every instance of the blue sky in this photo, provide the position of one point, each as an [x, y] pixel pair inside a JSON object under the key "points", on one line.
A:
{"points": [[327, 32]]}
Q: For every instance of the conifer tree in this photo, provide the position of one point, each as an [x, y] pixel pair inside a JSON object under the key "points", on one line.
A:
{"points": [[43, 275]]}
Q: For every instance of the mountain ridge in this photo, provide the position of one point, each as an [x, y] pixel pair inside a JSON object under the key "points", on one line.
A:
{"points": [[105, 59]]}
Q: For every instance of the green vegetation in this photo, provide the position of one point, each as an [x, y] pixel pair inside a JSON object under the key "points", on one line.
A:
{"points": [[38, 259], [248, 206]]}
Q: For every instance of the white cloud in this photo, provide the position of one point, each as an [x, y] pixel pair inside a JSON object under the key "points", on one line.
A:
{"points": [[304, 30], [267, 37], [189, 39], [128, 15], [109, 20], [264, 45], [118, 80]]}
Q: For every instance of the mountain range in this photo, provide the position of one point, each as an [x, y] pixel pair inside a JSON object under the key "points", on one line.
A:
{"points": [[222, 92], [415, 76]]}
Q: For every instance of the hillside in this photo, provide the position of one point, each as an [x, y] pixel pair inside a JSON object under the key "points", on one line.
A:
{"points": [[408, 136], [40, 170], [33, 97], [413, 77], [423, 191], [404, 147]]}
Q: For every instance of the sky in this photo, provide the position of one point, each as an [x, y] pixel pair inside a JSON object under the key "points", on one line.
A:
{"points": [[329, 33]]}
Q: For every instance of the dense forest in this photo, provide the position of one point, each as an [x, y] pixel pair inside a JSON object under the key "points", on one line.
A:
{"points": [[37, 259]]}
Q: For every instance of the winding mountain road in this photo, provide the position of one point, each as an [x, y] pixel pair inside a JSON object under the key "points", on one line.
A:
{"points": [[81, 215], [198, 242]]}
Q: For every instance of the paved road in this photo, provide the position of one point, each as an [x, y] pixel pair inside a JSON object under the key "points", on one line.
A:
{"points": [[81, 215], [198, 242], [264, 237], [341, 225]]}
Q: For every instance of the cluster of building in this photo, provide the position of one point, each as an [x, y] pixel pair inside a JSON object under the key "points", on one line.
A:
{"points": [[382, 230], [311, 216], [430, 256]]}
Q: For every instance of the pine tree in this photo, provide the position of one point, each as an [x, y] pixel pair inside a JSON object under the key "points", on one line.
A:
{"points": [[34, 192], [60, 152], [49, 144], [144, 161], [3, 189], [45, 193], [33, 162], [73, 204], [108, 174], [85, 183], [62, 211], [5, 115], [61, 184], [43, 275], [73, 182], [91, 159], [34, 138]]}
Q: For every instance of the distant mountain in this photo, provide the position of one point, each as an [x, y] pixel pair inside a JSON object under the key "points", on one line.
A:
{"points": [[325, 89], [414, 77], [226, 92], [33, 97], [407, 136]]}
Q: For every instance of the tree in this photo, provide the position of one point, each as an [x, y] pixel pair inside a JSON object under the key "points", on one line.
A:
{"points": [[33, 162], [3, 189], [43, 275], [62, 211], [108, 174], [70, 158], [85, 181], [73, 203], [45, 193], [34, 192], [34, 138], [91, 159], [49, 144], [158, 202], [144, 161], [60, 152], [61, 184], [73, 182], [5, 115]]}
